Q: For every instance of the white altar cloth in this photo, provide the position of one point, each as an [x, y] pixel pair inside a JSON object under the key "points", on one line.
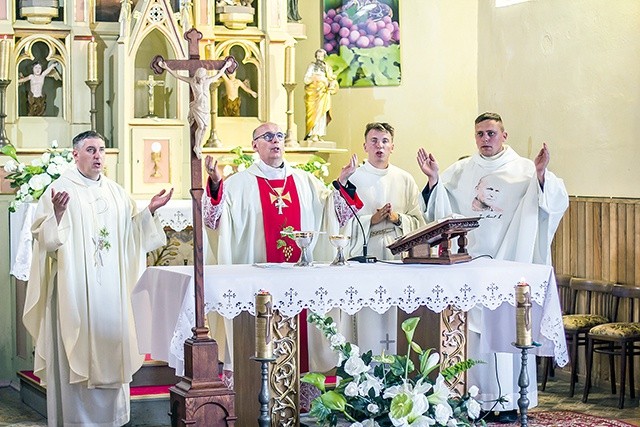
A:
{"points": [[177, 215], [163, 299]]}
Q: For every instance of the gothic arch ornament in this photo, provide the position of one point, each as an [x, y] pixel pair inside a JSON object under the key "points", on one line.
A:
{"points": [[57, 52], [253, 56]]}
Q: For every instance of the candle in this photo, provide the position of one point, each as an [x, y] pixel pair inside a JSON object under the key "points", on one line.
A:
{"points": [[92, 61], [5, 50], [523, 314], [264, 313], [289, 64]]}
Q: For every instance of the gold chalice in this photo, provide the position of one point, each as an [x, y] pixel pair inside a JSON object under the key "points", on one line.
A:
{"points": [[339, 241]]}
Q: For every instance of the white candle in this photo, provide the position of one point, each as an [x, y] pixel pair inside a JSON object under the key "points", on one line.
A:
{"points": [[5, 50], [208, 51], [523, 314], [289, 64], [92, 61], [264, 314]]}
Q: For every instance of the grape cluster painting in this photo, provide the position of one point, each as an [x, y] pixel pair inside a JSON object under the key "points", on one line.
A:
{"points": [[362, 40]]}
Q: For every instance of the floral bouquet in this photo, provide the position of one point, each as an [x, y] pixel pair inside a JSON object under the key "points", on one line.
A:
{"points": [[32, 179], [378, 391]]}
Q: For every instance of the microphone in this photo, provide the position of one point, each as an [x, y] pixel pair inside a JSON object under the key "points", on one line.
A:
{"points": [[364, 259]]}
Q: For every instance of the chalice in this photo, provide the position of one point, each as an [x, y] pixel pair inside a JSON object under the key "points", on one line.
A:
{"points": [[339, 241], [303, 239]]}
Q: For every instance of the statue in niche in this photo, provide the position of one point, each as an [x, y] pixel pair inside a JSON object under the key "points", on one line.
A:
{"points": [[246, 3], [231, 100], [36, 98], [319, 85], [292, 11]]}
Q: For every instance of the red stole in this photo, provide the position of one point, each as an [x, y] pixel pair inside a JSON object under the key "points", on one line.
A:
{"points": [[280, 248]]}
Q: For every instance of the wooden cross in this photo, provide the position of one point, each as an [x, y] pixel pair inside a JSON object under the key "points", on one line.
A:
{"points": [[194, 62]]}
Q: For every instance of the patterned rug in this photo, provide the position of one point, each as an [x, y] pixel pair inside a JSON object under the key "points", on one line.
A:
{"points": [[565, 419]]}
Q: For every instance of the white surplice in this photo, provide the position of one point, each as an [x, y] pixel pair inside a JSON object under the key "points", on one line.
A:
{"points": [[236, 233], [519, 226], [377, 187], [77, 306]]}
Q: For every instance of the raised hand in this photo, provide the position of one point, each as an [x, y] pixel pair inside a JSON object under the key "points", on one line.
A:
{"points": [[159, 200], [60, 201], [429, 166], [542, 161], [213, 170], [348, 170]]}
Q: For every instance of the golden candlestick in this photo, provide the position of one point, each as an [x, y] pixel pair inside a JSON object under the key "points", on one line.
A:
{"points": [[523, 314], [264, 314], [290, 140]]}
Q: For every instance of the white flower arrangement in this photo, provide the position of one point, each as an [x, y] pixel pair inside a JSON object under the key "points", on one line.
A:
{"points": [[32, 179], [388, 390]]}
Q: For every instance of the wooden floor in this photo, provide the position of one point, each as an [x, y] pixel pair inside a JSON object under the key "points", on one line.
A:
{"points": [[601, 403]]}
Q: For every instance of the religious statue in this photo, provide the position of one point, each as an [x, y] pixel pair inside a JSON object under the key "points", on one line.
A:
{"points": [[151, 84], [123, 18], [186, 14], [319, 84], [200, 105], [231, 101], [36, 98], [292, 11]]}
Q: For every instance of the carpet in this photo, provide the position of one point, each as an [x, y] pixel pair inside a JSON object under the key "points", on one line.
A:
{"points": [[565, 419]]}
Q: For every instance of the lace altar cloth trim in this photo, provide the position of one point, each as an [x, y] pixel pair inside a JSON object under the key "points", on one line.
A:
{"points": [[229, 290]]}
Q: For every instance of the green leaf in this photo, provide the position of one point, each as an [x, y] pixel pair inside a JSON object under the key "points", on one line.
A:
{"points": [[334, 401], [315, 379], [10, 150], [416, 347]]}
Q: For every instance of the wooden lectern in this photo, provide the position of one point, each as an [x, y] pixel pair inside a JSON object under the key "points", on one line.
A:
{"points": [[439, 233]]}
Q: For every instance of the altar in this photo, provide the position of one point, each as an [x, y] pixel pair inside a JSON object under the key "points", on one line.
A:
{"points": [[163, 301]]}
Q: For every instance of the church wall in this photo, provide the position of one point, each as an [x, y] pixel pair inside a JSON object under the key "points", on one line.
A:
{"points": [[566, 73], [436, 101]]}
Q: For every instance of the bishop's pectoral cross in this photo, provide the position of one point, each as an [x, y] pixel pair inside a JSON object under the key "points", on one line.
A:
{"points": [[192, 64]]}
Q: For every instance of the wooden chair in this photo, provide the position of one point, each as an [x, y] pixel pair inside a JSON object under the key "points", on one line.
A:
{"points": [[564, 294], [617, 339], [591, 304]]}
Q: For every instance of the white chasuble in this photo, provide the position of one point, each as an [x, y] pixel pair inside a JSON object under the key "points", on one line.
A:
{"points": [[235, 221], [377, 187], [518, 221], [77, 306]]}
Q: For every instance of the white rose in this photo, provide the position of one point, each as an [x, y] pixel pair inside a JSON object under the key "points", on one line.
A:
{"points": [[356, 424], [355, 350], [53, 169], [473, 409], [337, 340], [28, 198], [473, 391], [46, 157], [443, 413], [371, 383], [241, 167], [36, 182], [355, 366], [60, 160], [24, 188], [325, 170], [317, 165], [351, 389], [20, 167], [37, 162], [227, 170], [373, 408], [54, 143], [452, 423], [11, 166]]}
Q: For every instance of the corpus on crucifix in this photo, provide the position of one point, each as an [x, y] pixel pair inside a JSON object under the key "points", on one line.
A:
{"points": [[151, 84]]}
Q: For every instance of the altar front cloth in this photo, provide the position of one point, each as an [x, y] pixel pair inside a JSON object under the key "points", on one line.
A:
{"points": [[163, 299]]}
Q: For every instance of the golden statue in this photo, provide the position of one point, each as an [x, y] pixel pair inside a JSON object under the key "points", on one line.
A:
{"points": [[319, 84]]}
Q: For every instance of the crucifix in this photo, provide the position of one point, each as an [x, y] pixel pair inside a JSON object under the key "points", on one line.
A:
{"points": [[201, 383], [151, 84]]}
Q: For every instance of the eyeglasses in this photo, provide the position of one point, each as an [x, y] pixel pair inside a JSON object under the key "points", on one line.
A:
{"points": [[270, 136]]}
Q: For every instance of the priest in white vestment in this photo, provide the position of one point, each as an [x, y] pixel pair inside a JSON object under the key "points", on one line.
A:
{"points": [[520, 203], [249, 210], [90, 247], [392, 207]]}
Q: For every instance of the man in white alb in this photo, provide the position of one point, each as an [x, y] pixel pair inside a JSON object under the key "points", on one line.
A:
{"points": [[90, 244], [392, 207], [520, 203]]}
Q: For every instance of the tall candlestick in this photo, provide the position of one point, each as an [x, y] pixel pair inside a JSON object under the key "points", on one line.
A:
{"points": [[523, 314], [5, 50], [264, 314], [92, 61], [289, 64]]}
